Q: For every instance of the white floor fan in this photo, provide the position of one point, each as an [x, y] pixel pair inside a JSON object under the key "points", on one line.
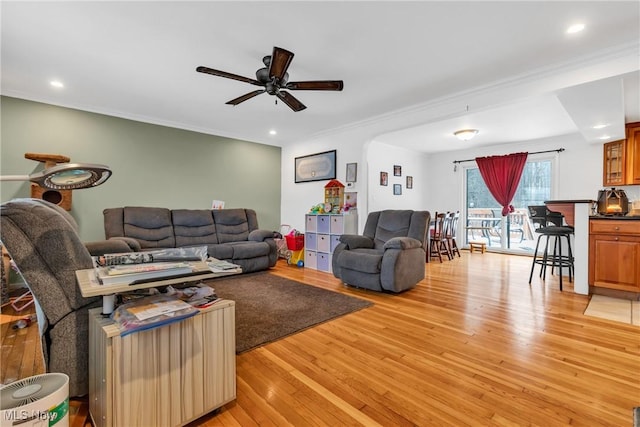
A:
{"points": [[41, 400]]}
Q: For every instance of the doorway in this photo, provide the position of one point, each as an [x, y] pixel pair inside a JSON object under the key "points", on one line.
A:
{"points": [[484, 221]]}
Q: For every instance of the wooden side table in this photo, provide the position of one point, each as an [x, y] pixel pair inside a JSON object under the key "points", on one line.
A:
{"points": [[167, 376]]}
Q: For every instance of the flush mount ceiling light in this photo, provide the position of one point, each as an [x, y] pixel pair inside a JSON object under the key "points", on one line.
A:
{"points": [[465, 134], [601, 126], [576, 28], [56, 83]]}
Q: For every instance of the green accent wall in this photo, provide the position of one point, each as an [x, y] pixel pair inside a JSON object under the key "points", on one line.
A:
{"points": [[152, 165]]}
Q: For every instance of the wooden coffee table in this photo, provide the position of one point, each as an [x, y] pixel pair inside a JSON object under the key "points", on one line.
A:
{"points": [[90, 287]]}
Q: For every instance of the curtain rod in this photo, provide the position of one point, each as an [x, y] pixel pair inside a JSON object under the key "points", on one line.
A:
{"points": [[559, 150]]}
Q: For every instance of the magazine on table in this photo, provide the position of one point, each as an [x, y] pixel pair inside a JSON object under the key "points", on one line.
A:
{"points": [[127, 274], [151, 312], [194, 253], [221, 266]]}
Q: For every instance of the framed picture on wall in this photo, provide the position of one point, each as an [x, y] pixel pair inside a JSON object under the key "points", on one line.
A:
{"points": [[352, 172], [397, 170], [316, 167], [397, 189], [384, 178], [409, 182]]}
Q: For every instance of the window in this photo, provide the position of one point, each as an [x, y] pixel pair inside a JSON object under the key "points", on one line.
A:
{"points": [[484, 220]]}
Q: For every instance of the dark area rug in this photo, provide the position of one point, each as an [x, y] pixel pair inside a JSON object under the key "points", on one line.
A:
{"points": [[269, 307]]}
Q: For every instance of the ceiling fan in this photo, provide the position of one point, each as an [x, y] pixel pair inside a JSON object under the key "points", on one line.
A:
{"points": [[274, 78]]}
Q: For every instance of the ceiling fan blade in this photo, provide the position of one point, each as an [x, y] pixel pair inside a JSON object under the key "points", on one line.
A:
{"points": [[219, 73], [290, 100], [316, 85], [246, 96], [280, 61]]}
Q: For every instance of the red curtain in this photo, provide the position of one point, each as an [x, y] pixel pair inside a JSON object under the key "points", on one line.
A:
{"points": [[502, 176]]}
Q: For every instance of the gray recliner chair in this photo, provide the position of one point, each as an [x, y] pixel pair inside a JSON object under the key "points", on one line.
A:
{"points": [[43, 242], [389, 256]]}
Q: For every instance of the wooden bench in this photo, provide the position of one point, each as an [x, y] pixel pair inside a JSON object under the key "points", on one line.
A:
{"points": [[481, 246]]}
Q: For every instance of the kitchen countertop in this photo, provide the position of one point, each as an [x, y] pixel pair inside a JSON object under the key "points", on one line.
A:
{"points": [[607, 217], [569, 201]]}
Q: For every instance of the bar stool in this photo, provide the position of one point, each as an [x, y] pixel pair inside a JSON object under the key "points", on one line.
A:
{"points": [[555, 259]]}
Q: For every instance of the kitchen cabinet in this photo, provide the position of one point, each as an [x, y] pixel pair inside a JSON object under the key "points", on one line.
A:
{"points": [[614, 254], [621, 159], [322, 235], [614, 167], [633, 153]]}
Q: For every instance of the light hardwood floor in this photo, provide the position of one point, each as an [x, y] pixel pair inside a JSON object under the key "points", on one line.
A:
{"points": [[472, 344]]}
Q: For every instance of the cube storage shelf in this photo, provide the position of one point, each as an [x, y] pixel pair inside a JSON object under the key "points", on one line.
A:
{"points": [[322, 235]]}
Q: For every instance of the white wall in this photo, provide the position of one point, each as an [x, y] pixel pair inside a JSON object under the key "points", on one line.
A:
{"points": [[436, 187], [354, 145], [297, 199], [383, 157], [579, 170]]}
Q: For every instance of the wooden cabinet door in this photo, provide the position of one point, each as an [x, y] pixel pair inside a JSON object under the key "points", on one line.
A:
{"points": [[614, 262], [633, 153], [614, 167]]}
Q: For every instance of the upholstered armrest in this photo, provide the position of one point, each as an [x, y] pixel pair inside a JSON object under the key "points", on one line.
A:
{"points": [[402, 243], [355, 241], [133, 244], [111, 246], [260, 235]]}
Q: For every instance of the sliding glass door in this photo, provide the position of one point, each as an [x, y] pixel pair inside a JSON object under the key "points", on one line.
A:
{"points": [[513, 233]]}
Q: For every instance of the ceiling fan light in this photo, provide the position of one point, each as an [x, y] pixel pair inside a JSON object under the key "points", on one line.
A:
{"points": [[466, 134]]}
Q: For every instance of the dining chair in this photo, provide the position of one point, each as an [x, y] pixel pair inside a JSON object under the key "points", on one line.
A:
{"points": [[451, 234], [439, 245]]}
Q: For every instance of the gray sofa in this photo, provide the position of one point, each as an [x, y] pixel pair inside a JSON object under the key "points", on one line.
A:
{"points": [[389, 256], [229, 234]]}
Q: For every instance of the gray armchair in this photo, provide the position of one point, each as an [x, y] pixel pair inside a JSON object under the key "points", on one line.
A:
{"points": [[389, 256], [43, 242]]}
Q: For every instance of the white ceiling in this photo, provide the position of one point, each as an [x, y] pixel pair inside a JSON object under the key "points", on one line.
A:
{"points": [[424, 68]]}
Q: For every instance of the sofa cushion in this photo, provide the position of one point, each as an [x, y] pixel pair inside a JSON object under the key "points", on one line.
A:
{"points": [[220, 251], [152, 227], [245, 250], [232, 225], [364, 260], [193, 227], [392, 224]]}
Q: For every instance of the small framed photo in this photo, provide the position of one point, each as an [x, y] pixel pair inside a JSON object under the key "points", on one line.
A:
{"points": [[384, 178], [352, 172], [397, 170], [397, 189], [409, 182]]}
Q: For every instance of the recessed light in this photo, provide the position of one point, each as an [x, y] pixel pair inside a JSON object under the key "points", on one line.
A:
{"points": [[272, 132], [605, 137], [601, 126], [56, 83], [576, 28]]}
